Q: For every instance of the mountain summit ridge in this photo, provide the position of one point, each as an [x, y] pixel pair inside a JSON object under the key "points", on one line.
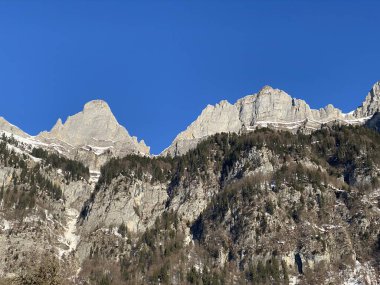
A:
{"points": [[269, 107], [95, 126]]}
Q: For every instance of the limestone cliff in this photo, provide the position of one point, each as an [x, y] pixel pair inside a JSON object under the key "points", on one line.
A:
{"points": [[268, 108]]}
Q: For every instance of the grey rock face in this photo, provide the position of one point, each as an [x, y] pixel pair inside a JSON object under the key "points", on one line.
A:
{"points": [[268, 108], [222, 117], [137, 204], [275, 105]]}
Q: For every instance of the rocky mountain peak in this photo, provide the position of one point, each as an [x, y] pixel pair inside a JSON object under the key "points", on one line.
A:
{"points": [[58, 125], [95, 126]]}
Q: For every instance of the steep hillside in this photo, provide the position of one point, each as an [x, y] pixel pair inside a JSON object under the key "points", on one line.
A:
{"points": [[265, 207], [40, 198]]}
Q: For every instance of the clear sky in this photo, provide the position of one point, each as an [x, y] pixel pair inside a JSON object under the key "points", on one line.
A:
{"points": [[159, 63]]}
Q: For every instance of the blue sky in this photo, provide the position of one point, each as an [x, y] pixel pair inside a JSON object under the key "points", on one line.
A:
{"points": [[159, 63]]}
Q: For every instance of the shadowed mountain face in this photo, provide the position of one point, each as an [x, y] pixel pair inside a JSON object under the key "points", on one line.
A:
{"points": [[374, 122], [268, 108]]}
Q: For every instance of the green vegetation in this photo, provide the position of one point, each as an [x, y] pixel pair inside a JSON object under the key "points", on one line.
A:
{"points": [[270, 272], [27, 180], [304, 165], [25, 190], [206, 277], [46, 272], [134, 166], [156, 252], [73, 170]]}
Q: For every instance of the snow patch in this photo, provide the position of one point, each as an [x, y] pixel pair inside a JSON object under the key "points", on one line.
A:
{"points": [[28, 141], [94, 176], [115, 232], [6, 225], [297, 124], [69, 237], [97, 149]]}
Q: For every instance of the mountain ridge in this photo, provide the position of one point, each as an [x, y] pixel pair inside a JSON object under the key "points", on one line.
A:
{"points": [[260, 207], [96, 126], [268, 108]]}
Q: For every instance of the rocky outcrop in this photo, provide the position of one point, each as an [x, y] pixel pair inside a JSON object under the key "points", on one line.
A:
{"points": [[275, 105], [371, 104], [222, 117], [268, 108], [134, 203]]}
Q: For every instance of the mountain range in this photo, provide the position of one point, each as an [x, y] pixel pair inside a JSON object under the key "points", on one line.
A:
{"points": [[95, 131], [262, 191]]}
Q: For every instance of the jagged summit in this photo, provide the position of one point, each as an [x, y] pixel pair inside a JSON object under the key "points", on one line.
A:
{"points": [[269, 107], [58, 125]]}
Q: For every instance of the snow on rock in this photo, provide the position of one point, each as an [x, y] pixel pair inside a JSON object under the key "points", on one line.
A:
{"points": [[293, 280], [6, 225], [363, 274], [26, 144], [69, 237], [97, 150], [94, 176], [28, 141]]}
